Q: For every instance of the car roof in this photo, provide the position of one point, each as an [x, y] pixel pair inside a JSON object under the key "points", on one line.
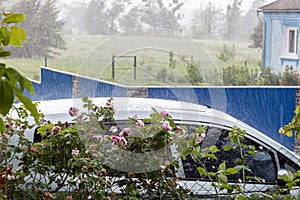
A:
{"points": [[57, 110]]}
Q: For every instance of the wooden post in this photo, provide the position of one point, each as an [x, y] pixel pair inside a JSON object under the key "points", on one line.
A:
{"points": [[113, 68], [134, 65], [46, 64]]}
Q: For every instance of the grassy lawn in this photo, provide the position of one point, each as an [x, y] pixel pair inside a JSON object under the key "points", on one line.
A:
{"points": [[92, 56]]}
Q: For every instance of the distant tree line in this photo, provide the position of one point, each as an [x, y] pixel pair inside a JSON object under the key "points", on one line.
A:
{"points": [[48, 20], [207, 22], [111, 17]]}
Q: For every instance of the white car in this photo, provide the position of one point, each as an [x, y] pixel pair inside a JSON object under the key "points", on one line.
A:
{"points": [[271, 158]]}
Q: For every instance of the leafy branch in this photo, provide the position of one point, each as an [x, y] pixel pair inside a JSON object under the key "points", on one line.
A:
{"points": [[12, 83]]}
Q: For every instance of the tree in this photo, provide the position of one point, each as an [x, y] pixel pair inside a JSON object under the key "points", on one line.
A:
{"points": [[110, 17], [257, 33], [132, 20], [154, 14], [257, 36], [207, 20], [42, 27], [233, 16], [101, 18], [74, 24]]}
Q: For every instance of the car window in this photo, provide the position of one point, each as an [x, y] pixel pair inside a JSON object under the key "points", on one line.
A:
{"points": [[262, 164], [287, 164]]}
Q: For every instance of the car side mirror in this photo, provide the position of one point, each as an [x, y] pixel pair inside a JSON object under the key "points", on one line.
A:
{"points": [[282, 172]]}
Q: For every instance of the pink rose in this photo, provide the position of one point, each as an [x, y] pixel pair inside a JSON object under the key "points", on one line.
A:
{"points": [[115, 139], [119, 140], [199, 139], [122, 134], [125, 132], [33, 149], [73, 111], [114, 129], [75, 152], [140, 123], [55, 130], [166, 127], [123, 142], [164, 113]]}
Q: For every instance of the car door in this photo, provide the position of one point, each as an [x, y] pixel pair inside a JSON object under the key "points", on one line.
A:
{"points": [[263, 165]]}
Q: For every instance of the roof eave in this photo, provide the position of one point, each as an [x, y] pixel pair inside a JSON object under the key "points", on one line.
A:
{"points": [[278, 11]]}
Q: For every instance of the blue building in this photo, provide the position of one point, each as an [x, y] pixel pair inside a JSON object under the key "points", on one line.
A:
{"points": [[281, 35]]}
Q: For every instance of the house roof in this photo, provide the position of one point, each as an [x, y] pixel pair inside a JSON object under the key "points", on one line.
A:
{"points": [[282, 6]]}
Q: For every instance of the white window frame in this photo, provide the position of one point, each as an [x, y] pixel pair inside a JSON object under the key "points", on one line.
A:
{"points": [[293, 52]]}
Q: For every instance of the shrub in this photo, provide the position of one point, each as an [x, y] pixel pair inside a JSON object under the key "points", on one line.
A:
{"points": [[289, 77], [93, 158]]}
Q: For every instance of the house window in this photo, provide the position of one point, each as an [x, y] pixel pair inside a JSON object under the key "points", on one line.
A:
{"points": [[291, 36]]}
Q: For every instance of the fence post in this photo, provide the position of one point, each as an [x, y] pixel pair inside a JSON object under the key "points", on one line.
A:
{"points": [[46, 64], [113, 68], [134, 65]]}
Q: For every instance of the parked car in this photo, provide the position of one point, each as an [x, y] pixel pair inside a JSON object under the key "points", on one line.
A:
{"points": [[270, 159]]}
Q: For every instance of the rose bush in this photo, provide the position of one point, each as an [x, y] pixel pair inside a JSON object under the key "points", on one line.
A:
{"points": [[94, 157], [71, 159]]}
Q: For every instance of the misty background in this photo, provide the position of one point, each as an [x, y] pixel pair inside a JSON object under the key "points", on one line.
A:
{"points": [[184, 37], [194, 18]]}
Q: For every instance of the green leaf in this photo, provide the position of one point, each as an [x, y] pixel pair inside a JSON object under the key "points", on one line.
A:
{"points": [[6, 97], [231, 171], [17, 33], [227, 148], [288, 178], [222, 178], [222, 166], [2, 68], [29, 105], [201, 171], [213, 174], [242, 198], [146, 120], [213, 149], [15, 42], [251, 153], [14, 18], [4, 36], [15, 77], [2, 126], [28, 85], [5, 53]]}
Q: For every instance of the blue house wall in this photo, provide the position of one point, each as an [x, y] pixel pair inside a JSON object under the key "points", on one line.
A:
{"points": [[266, 109], [274, 40]]}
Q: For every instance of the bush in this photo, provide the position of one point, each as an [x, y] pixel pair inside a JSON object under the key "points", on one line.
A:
{"points": [[89, 159], [69, 162], [289, 77]]}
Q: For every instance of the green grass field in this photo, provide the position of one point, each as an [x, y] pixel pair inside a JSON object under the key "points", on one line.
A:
{"points": [[92, 56]]}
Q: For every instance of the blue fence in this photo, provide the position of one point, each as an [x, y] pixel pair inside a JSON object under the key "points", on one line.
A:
{"points": [[265, 109]]}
